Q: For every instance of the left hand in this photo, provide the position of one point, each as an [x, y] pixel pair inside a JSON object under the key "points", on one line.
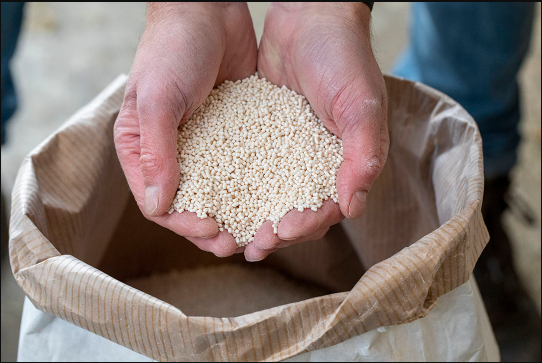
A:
{"points": [[323, 51]]}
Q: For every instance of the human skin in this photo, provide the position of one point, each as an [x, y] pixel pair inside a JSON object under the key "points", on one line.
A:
{"points": [[186, 50], [322, 51]]}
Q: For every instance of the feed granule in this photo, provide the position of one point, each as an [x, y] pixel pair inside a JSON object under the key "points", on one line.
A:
{"points": [[252, 152], [227, 290]]}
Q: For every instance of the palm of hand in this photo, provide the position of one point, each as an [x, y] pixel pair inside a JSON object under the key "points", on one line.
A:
{"points": [[172, 74], [321, 51], [328, 59]]}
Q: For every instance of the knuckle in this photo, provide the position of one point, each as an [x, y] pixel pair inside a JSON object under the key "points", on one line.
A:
{"points": [[371, 108], [149, 105], [126, 143], [120, 136], [351, 107], [268, 245], [372, 167], [276, 244], [160, 106], [188, 230], [125, 128], [151, 164]]}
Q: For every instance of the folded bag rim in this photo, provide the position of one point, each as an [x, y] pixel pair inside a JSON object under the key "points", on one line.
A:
{"points": [[397, 290]]}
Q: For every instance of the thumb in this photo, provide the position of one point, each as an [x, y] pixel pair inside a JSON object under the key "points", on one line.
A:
{"points": [[158, 122], [365, 148]]}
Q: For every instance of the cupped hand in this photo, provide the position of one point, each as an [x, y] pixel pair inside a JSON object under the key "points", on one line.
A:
{"points": [[323, 51], [186, 50]]}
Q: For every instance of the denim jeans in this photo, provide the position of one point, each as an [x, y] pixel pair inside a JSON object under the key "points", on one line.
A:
{"points": [[11, 15], [472, 52]]}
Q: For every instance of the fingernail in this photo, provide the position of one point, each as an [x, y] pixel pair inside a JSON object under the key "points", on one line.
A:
{"points": [[240, 250], [266, 248], [151, 199], [290, 238], [357, 204], [255, 260], [287, 235]]}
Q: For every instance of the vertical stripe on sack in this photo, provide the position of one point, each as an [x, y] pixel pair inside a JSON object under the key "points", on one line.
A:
{"points": [[91, 299], [399, 283], [269, 336], [278, 334], [112, 321], [355, 317], [226, 339], [249, 330], [205, 333], [379, 298], [168, 335], [66, 264], [105, 324], [73, 289], [147, 329], [160, 330], [218, 340], [159, 327], [394, 289], [185, 346], [337, 316], [135, 318], [129, 317], [374, 300], [119, 315], [234, 328]]}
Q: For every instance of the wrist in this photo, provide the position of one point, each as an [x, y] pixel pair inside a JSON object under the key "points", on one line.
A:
{"points": [[163, 11], [358, 14], [345, 8], [153, 7]]}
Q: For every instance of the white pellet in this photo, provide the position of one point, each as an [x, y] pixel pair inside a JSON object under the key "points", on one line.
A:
{"points": [[227, 290], [252, 152]]}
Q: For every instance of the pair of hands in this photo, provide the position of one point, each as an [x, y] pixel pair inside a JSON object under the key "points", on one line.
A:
{"points": [[320, 50]]}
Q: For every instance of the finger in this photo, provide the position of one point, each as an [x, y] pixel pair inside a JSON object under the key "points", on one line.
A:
{"points": [[365, 147], [188, 224], [126, 133], [126, 137], [297, 224], [265, 238], [159, 117], [222, 245], [240, 249], [312, 237], [241, 64], [253, 254]]}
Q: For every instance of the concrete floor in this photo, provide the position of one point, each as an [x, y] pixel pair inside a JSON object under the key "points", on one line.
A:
{"points": [[68, 52]]}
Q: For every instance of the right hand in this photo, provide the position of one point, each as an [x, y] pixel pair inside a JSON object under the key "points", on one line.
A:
{"points": [[186, 50]]}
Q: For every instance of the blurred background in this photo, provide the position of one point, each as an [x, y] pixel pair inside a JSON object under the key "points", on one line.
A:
{"points": [[68, 52]]}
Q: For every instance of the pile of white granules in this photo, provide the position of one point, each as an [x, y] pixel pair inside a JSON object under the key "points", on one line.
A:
{"points": [[252, 152], [225, 290]]}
